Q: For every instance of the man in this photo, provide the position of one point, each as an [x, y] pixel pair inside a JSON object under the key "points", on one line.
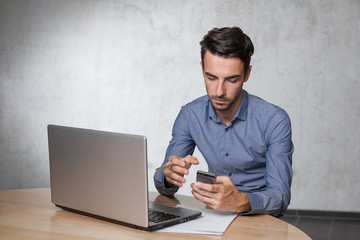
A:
{"points": [[245, 140]]}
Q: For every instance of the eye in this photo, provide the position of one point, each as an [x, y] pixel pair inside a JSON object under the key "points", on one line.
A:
{"points": [[210, 76], [233, 79]]}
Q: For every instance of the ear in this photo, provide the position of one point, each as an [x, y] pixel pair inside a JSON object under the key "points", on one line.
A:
{"points": [[202, 67], [247, 75]]}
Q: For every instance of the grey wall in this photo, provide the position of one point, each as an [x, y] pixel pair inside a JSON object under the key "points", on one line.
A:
{"points": [[128, 66]]}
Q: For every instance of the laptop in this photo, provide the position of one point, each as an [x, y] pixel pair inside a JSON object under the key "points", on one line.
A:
{"points": [[104, 175]]}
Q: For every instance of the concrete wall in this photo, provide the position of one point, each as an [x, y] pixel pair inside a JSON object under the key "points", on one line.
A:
{"points": [[128, 66]]}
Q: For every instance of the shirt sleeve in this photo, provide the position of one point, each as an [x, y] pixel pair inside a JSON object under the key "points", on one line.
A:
{"points": [[275, 199], [181, 144]]}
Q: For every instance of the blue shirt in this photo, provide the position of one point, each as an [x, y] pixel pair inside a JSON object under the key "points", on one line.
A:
{"points": [[254, 150]]}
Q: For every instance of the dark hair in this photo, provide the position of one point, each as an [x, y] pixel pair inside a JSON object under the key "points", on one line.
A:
{"points": [[228, 42]]}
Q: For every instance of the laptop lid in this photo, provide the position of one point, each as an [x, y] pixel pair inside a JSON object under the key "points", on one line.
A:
{"points": [[103, 174], [100, 173]]}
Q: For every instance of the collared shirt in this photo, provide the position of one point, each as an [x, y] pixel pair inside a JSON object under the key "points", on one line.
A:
{"points": [[254, 150]]}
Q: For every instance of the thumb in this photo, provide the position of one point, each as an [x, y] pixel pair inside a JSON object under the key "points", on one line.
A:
{"points": [[223, 180]]}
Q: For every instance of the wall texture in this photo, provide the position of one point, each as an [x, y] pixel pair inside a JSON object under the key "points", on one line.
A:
{"points": [[128, 66]]}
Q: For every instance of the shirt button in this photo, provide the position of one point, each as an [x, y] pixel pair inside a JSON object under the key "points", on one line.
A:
{"points": [[227, 129], [230, 174], [226, 154]]}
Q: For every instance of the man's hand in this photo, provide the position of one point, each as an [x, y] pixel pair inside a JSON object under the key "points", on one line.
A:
{"points": [[221, 196], [174, 175]]}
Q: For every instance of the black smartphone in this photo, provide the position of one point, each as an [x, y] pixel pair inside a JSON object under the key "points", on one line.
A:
{"points": [[205, 177]]}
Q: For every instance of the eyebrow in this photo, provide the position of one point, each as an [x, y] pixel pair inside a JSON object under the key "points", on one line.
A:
{"points": [[227, 78], [233, 76], [210, 75]]}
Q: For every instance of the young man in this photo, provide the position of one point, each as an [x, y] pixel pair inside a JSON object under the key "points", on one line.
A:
{"points": [[245, 140]]}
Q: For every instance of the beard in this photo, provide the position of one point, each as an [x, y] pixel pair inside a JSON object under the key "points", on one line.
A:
{"points": [[221, 103]]}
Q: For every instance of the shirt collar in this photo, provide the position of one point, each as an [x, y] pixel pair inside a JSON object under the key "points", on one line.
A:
{"points": [[241, 112]]}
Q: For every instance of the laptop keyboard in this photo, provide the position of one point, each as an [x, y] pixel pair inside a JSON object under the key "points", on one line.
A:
{"points": [[157, 216]]}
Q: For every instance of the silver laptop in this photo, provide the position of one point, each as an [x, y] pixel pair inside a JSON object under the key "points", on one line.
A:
{"points": [[104, 175]]}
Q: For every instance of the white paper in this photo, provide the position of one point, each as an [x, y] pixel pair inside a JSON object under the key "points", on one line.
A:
{"points": [[210, 222]]}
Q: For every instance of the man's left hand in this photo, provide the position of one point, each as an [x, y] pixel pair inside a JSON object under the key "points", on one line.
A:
{"points": [[221, 196]]}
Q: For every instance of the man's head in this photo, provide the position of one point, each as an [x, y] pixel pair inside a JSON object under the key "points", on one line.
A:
{"points": [[225, 61], [228, 42]]}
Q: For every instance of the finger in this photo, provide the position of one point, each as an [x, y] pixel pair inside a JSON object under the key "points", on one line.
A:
{"points": [[174, 175], [175, 179], [201, 191], [191, 160], [177, 161], [179, 166], [180, 170], [202, 198], [206, 187], [198, 194], [171, 181], [209, 201]]}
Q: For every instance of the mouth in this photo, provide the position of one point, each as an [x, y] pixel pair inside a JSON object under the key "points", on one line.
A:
{"points": [[220, 101]]}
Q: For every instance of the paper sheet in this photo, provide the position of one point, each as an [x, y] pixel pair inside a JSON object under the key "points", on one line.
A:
{"points": [[210, 222]]}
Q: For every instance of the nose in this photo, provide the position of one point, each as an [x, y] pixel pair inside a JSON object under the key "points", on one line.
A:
{"points": [[220, 89]]}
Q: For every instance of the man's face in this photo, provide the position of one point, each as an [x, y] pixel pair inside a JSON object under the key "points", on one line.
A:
{"points": [[224, 78]]}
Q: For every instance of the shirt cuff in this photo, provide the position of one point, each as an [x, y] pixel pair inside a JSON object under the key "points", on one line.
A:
{"points": [[256, 203]]}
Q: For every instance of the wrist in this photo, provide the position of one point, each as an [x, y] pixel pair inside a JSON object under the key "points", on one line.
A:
{"points": [[244, 205]]}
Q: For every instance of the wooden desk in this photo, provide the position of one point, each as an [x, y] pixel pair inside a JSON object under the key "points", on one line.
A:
{"points": [[29, 214]]}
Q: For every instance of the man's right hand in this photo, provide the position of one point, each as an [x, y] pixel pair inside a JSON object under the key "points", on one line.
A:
{"points": [[175, 175]]}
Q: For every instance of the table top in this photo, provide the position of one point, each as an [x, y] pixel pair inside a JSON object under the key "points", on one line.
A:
{"points": [[29, 212]]}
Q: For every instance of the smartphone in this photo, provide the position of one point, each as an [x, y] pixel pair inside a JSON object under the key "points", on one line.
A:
{"points": [[205, 177]]}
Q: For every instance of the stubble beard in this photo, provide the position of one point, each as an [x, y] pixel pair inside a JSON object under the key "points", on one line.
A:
{"points": [[221, 107]]}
